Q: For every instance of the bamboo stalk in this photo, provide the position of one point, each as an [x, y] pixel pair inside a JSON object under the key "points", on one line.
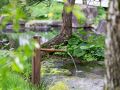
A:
{"points": [[36, 64], [52, 50]]}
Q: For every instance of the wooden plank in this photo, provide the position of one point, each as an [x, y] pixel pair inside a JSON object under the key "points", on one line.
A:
{"points": [[36, 63]]}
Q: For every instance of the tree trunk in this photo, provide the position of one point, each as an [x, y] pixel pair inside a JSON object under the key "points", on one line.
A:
{"points": [[112, 59], [66, 30]]}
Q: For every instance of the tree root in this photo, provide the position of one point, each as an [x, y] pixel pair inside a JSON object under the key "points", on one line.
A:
{"points": [[61, 38]]}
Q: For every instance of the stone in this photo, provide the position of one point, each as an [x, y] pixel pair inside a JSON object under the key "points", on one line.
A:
{"points": [[90, 13], [101, 28]]}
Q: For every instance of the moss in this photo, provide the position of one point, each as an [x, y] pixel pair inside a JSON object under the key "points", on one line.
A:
{"points": [[54, 71], [59, 86], [50, 67], [60, 71]]}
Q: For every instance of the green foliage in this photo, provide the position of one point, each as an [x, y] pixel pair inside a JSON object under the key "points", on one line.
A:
{"points": [[84, 45], [31, 2], [43, 11], [101, 11], [12, 12], [13, 81], [90, 49], [3, 37], [101, 15], [2, 3], [53, 11], [8, 60], [78, 13], [16, 63]]}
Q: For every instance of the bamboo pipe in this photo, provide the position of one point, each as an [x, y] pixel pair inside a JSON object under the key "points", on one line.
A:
{"points": [[52, 50], [36, 64]]}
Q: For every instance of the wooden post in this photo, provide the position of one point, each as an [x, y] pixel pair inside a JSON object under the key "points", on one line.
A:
{"points": [[36, 63]]}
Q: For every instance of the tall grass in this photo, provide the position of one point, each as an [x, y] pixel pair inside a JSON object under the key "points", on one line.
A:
{"points": [[13, 81]]}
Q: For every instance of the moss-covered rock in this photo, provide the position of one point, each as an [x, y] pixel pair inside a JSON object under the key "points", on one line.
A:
{"points": [[54, 71], [59, 86], [50, 68]]}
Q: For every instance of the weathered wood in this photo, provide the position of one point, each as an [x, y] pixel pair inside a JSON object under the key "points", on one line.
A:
{"points": [[36, 63]]}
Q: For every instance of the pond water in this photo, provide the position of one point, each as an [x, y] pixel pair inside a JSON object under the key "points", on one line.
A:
{"points": [[21, 38], [45, 36]]}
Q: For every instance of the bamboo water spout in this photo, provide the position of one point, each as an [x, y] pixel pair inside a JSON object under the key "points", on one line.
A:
{"points": [[36, 61]]}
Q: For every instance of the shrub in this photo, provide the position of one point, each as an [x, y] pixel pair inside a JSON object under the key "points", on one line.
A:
{"points": [[101, 15], [43, 11], [89, 49]]}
